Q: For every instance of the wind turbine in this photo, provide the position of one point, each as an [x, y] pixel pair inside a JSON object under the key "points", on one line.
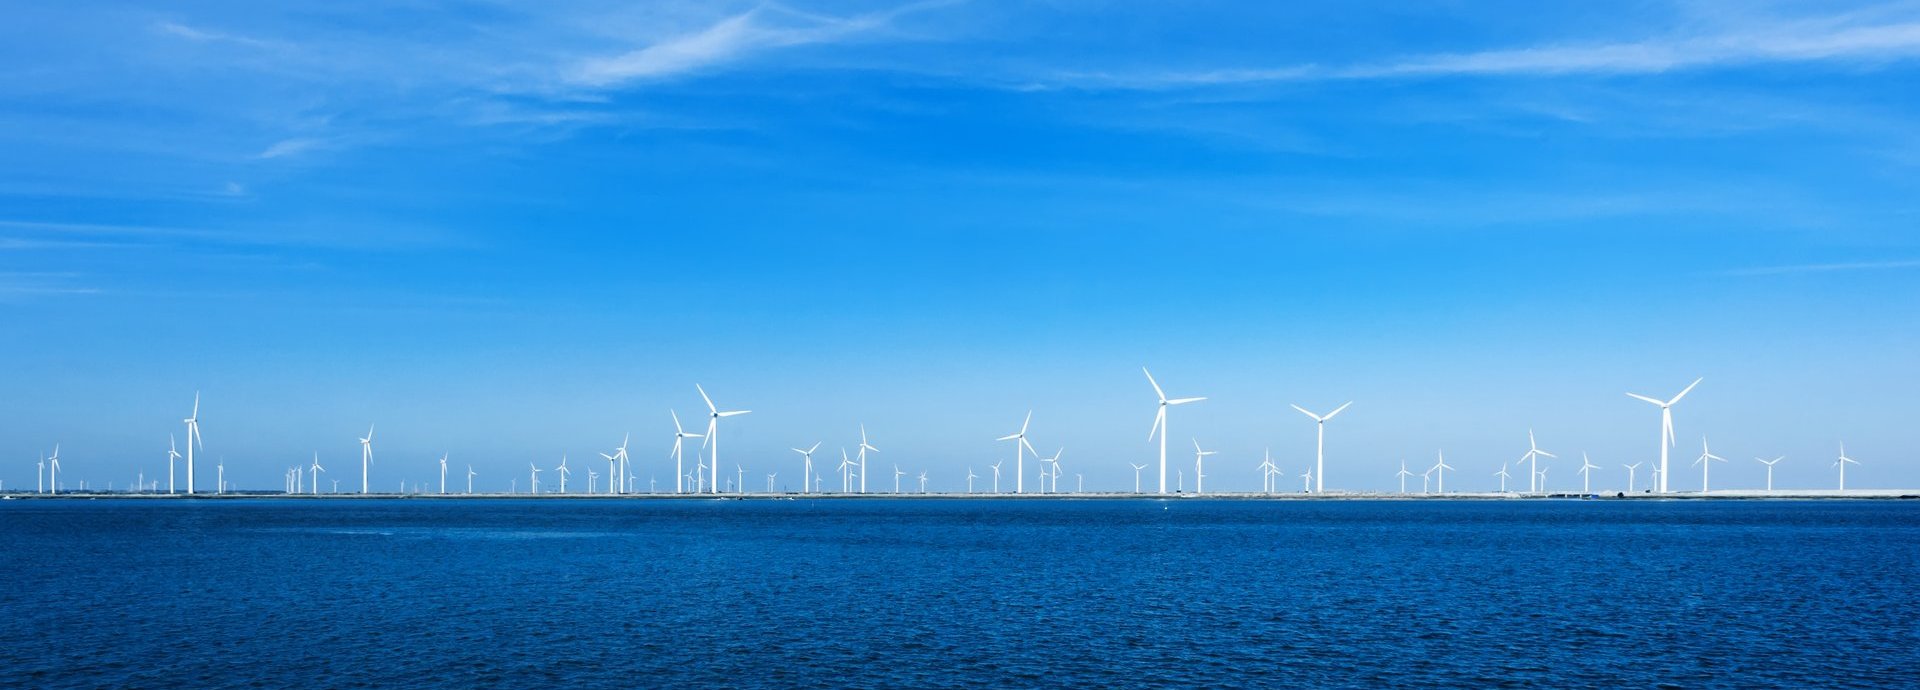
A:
{"points": [[592, 475], [1019, 439], [1502, 474], [173, 453], [1840, 463], [1404, 474], [770, 481], [366, 459], [1426, 480], [1199, 467], [1055, 461], [1266, 471], [1160, 423], [806, 477], [1440, 468], [1320, 446], [219, 477], [896, 478], [713, 433], [617, 467], [1706, 462], [846, 483], [1770, 464], [1532, 458], [1586, 474], [1306, 480], [679, 468], [53, 470], [443, 474], [562, 469], [193, 439], [39, 475], [470, 475], [864, 447], [1666, 427], [923, 482], [970, 477], [1630, 470], [535, 483], [1136, 476], [316, 469], [996, 475]]}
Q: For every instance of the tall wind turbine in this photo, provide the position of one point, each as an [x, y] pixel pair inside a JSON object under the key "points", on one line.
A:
{"points": [[864, 447], [1532, 458], [1136, 476], [535, 483], [996, 475], [923, 481], [970, 477], [173, 453], [1770, 464], [1020, 445], [1200, 467], [316, 469], [1666, 427], [1502, 474], [443, 474], [618, 467], [1586, 474], [846, 464], [53, 471], [366, 457], [679, 467], [1404, 474], [897, 474], [713, 434], [1320, 446], [1840, 463], [806, 478], [1440, 468], [1160, 423], [193, 439], [470, 475], [562, 469], [1706, 462], [1630, 470]]}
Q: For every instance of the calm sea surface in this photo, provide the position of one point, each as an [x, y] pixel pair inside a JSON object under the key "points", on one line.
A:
{"points": [[1000, 594]]}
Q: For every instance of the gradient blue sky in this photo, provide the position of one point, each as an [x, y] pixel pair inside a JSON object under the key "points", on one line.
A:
{"points": [[508, 231]]}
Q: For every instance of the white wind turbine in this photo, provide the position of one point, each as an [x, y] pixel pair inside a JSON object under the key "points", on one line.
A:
{"points": [[1630, 470], [1840, 463], [846, 464], [1136, 476], [1320, 445], [680, 435], [1586, 474], [806, 477], [1404, 474], [970, 477], [1160, 423], [470, 475], [1706, 462], [53, 470], [562, 469], [592, 475], [770, 481], [219, 477], [1770, 464], [316, 469], [173, 453], [1426, 481], [713, 434], [1440, 468], [996, 475], [1055, 473], [443, 474], [1266, 472], [1535, 478], [535, 483], [1502, 474], [1666, 429], [1306, 480], [923, 481], [618, 467], [897, 474], [193, 439], [1020, 446], [864, 447], [1199, 467], [366, 458]]}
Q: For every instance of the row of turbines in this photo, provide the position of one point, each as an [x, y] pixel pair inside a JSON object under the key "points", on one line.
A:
{"points": [[706, 476]]}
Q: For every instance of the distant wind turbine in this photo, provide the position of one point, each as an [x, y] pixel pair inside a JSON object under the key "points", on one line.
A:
{"points": [[996, 475], [1404, 474], [366, 459], [173, 453], [1770, 464], [864, 448], [923, 481], [193, 439], [1535, 479], [562, 469], [53, 470], [533, 484], [1199, 467], [1440, 468], [1586, 474], [679, 468], [970, 477], [713, 433], [470, 475], [1630, 470], [1502, 474], [443, 474], [316, 469], [846, 464], [806, 476], [1020, 446], [1320, 445], [1840, 463], [1160, 423], [1705, 462], [1136, 476], [897, 474], [1666, 427]]}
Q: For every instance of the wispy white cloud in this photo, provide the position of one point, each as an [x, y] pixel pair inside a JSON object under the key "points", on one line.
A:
{"points": [[200, 35], [730, 40], [1808, 41], [289, 147], [1824, 268]]}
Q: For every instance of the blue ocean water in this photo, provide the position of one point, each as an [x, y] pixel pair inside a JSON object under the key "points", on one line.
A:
{"points": [[984, 593]]}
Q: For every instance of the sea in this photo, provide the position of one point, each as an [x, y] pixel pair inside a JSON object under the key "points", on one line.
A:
{"points": [[1124, 593]]}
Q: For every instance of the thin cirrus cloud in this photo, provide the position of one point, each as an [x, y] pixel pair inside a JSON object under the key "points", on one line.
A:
{"points": [[289, 147], [735, 38], [1796, 42], [1825, 268]]}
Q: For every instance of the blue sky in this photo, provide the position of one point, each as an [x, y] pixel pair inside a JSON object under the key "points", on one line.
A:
{"points": [[508, 231]]}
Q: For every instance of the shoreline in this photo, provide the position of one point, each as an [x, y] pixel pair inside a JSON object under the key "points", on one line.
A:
{"points": [[1723, 495]]}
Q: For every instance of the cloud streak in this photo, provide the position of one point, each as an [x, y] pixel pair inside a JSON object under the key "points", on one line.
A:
{"points": [[1824, 41], [1825, 268], [730, 40]]}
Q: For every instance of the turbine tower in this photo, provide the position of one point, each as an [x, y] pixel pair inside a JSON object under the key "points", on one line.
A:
{"points": [[996, 475], [1586, 474], [1706, 462], [1019, 439], [1770, 464], [806, 477], [679, 468], [713, 434], [1136, 476], [366, 458], [864, 447], [1404, 474], [173, 454], [470, 475], [1320, 446], [443, 474], [1503, 475], [1630, 470], [193, 439], [316, 469], [1440, 468], [1532, 458], [1199, 467], [1160, 423], [1840, 463], [1666, 428]]}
